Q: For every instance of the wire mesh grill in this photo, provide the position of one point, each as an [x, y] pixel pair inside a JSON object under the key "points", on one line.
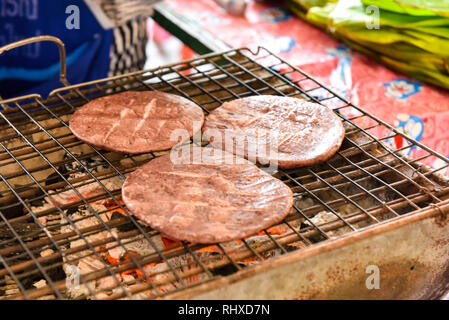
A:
{"points": [[65, 233]]}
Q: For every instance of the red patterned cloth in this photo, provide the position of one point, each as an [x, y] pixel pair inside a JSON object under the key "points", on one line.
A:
{"points": [[420, 110]]}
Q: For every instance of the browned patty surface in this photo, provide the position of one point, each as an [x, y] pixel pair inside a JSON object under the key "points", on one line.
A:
{"points": [[136, 122], [207, 202], [287, 132]]}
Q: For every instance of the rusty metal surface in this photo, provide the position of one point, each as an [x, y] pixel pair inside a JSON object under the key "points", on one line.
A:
{"points": [[411, 254]]}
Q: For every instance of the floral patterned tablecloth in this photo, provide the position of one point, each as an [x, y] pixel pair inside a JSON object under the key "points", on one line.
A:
{"points": [[420, 110]]}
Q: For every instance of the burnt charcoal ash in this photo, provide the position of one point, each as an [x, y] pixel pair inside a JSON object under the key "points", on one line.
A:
{"points": [[72, 210], [12, 211], [54, 273], [37, 201], [85, 262], [28, 231], [55, 177], [87, 187], [291, 248], [8, 288], [93, 164], [83, 218], [123, 227], [226, 270], [73, 169]]}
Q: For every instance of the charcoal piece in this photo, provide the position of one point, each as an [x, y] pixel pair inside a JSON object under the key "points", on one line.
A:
{"points": [[12, 211]]}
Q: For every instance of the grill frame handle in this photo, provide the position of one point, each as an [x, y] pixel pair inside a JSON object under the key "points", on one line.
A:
{"points": [[62, 53]]}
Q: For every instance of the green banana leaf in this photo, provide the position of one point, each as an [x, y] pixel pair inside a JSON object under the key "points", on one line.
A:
{"points": [[406, 53], [413, 7], [387, 36], [357, 16], [351, 22], [416, 43], [413, 70], [308, 4]]}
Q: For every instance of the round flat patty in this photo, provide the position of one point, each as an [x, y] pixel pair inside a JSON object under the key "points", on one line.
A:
{"points": [[136, 121], [208, 200], [272, 130]]}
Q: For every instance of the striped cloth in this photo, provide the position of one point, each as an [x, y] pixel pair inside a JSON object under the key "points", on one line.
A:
{"points": [[128, 19], [128, 48]]}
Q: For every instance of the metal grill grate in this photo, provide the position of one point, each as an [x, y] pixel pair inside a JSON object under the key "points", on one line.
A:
{"points": [[60, 198]]}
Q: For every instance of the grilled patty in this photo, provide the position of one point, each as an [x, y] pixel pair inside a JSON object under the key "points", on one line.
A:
{"points": [[205, 195], [137, 122], [272, 130]]}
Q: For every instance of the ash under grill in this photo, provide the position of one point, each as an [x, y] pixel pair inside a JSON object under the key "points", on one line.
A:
{"points": [[65, 233]]}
